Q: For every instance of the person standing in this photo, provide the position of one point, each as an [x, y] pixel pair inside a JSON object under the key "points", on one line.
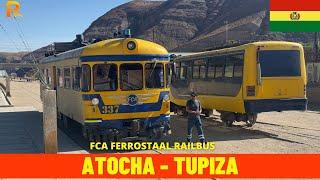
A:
{"points": [[193, 107]]}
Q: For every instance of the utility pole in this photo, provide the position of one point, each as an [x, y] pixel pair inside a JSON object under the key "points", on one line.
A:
{"points": [[227, 33], [316, 47]]}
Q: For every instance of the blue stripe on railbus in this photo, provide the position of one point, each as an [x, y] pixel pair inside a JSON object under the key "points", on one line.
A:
{"points": [[124, 58], [119, 123], [147, 107]]}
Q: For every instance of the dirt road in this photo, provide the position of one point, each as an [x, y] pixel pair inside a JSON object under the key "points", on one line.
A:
{"points": [[275, 132]]}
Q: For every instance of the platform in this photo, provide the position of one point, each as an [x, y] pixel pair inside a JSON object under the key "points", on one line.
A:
{"points": [[21, 125]]}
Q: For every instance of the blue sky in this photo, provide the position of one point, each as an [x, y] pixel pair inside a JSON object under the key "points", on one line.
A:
{"points": [[47, 21]]}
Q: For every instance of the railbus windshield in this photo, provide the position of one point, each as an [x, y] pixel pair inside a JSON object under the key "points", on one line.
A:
{"points": [[279, 63], [131, 76]]}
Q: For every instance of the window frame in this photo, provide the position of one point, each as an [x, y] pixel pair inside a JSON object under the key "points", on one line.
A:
{"points": [[168, 72], [228, 64], [60, 75], [69, 77], [74, 80], [184, 68], [94, 77], [211, 65], [227, 58], [193, 72], [163, 71], [120, 76], [82, 79], [177, 71], [276, 74]]}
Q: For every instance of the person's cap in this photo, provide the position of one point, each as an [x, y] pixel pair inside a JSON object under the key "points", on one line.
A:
{"points": [[193, 94]]}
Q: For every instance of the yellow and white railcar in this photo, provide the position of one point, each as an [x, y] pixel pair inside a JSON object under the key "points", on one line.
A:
{"points": [[243, 81], [114, 88]]}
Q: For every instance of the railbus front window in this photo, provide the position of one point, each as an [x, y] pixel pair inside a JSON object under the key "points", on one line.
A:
{"points": [[105, 77], [86, 78], [131, 77], [154, 75]]}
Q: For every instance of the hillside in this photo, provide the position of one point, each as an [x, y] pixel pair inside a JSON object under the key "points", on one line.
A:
{"points": [[191, 25], [11, 57]]}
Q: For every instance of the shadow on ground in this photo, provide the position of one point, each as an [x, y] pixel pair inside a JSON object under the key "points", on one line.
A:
{"points": [[22, 132], [214, 130], [314, 107]]}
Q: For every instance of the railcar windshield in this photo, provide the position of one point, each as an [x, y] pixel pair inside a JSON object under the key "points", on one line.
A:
{"points": [[131, 77], [154, 75], [279, 63], [105, 77]]}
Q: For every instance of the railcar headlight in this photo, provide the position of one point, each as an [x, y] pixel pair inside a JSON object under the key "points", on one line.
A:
{"points": [[95, 101], [131, 45], [166, 97]]}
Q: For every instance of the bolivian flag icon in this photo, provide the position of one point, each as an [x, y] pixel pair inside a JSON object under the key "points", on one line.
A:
{"points": [[295, 15]]}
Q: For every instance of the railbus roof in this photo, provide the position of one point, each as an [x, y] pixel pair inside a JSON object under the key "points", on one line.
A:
{"points": [[236, 48], [110, 48]]}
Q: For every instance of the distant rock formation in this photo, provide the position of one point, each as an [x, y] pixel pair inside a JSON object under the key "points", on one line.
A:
{"points": [[190, 25], [6, 57]]}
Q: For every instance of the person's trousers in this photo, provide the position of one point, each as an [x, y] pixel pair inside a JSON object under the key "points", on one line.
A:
{"points": [[195, 122]]}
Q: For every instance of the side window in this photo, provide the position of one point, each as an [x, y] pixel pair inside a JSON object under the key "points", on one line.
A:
{"points": [[199, 69], [238, 70], [168, 74], [184, 70], [67, 78], [219, 62], [211, 69], [76, 74], [85, 78], [59, 78], [202, 69], [177, 71], [219, 70], [195, 72], [238, 65], [228, 70]]}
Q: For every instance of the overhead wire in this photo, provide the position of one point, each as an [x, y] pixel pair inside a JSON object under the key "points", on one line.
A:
{"points": [[27, 46], [9, 37]]}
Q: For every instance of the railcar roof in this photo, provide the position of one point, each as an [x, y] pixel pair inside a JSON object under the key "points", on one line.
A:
{"points": [[237, 48], [110, 47]]}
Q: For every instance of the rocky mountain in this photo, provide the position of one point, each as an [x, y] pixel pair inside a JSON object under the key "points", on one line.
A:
{"points": [[191, 25], [11, 57]]}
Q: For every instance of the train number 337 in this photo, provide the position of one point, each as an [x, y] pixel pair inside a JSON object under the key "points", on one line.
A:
{"points": [[111, 109]]}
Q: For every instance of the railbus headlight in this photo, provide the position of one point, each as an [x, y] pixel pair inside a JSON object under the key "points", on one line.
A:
{"points": [[131, 45], [95, 101], [166, 97]]}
